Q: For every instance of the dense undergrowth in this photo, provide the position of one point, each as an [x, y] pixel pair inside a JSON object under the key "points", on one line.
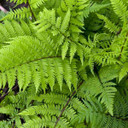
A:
{"points": [[64, 64]]}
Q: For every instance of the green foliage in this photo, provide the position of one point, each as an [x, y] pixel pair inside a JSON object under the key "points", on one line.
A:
{"points": [[63, 64], [2, 14]]}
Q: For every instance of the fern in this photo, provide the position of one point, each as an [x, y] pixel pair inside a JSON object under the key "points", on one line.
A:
{"points": [[100, 86], [94, 115], [94, 8], [18, 14], [108, 24], [13, 29], [120, 9], [34, 68], [63, 64], [59, 31]]}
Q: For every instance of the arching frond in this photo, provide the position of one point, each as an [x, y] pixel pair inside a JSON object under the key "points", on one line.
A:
{"points": [[35, 65]]}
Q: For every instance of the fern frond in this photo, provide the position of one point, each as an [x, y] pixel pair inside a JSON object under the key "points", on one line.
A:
{"points": [[48, 110], [7, 109], [123, 71], [36, 65], [20, 14], [94, 8], [13, 29], [51, 107], [36, 3], [120, 9], [97, 118], [108, 24], [5, 124], [102, 87], [121, 105], [61, 33], [46, 121], [52, 98], [119, 45]]}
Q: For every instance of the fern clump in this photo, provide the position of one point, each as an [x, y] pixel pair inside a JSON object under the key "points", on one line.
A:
{"points": [[63, 64]]}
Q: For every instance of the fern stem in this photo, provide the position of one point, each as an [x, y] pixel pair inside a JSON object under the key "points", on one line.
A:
{"points": [[73, 93], [33, 16], [119, 32]]}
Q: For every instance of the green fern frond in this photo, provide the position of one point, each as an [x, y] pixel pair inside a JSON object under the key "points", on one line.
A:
{"points": [[94, 8], [120, 9], [108, 24], [20, 14], [36, 3], [46, 121], [7, 109], [102, 87], [32, 72], [119, 45], [50, 46], [52, 98], [13, 29], [97, 118], [106, 58], [60, 33], [48, 20], [120, 107], [35, 65], [52, 107], [123, 71], [48, 110], [5, 124]]}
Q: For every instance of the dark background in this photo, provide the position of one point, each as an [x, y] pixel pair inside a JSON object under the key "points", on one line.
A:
{"points": [[10, 5]]}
